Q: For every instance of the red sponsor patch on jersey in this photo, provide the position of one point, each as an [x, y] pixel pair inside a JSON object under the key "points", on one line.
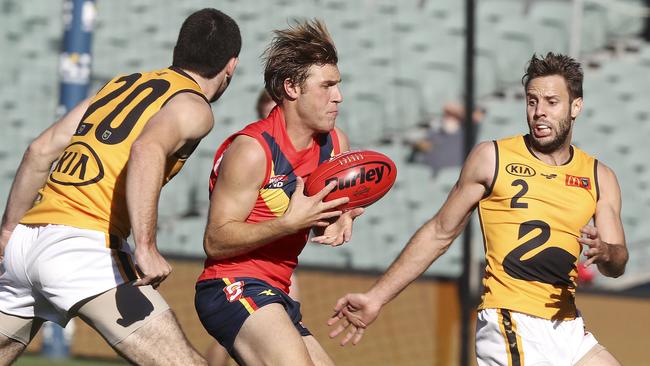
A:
{"points": [[574, 181]]}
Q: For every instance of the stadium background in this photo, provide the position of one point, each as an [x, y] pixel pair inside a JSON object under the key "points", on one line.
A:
{"points": [[400, 62]]}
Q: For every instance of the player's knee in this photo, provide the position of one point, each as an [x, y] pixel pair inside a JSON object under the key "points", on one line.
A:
{"points": [[159, 342]]}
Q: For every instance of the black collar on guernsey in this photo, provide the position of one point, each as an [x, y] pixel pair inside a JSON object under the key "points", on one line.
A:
{"points": [[530, 150], [180, 71]]}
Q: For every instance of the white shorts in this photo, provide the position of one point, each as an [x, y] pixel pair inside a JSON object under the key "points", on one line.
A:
{"points": [[505, 337], [48, 269]]}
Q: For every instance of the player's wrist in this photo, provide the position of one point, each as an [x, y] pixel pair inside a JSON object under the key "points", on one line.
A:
{"points": [[285, 225], [145, 244], [378, 296], [606, 257]]}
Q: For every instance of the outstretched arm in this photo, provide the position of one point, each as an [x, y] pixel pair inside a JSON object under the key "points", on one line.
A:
{"points": [[35, 166], [606, 241], [180, 124], [357, 311], [241, 173]]}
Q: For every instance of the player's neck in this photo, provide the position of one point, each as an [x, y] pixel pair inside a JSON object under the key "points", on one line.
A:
{"points": [[300, 135], [560, 156], [208, 86]]}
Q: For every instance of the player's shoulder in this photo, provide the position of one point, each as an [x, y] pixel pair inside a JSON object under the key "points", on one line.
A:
{"points": [[245, 150], [339, 131], [189, 107], [480, 163], [344, 142], [484, 150], [604, 172]]}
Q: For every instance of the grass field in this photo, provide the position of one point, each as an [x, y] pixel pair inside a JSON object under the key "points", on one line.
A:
{"points": [[35, 360]]}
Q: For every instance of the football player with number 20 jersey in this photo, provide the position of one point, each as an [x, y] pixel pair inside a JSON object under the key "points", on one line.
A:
{"points": [[65, 227]]}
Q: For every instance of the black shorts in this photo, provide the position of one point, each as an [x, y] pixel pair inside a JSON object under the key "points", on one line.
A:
{"points": [[224, 304]]}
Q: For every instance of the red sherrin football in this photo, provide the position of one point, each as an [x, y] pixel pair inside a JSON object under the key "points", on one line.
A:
{"points": [[363, 175]]}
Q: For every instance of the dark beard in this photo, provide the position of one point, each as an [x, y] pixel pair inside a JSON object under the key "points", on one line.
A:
{"points": [[558, 141]]}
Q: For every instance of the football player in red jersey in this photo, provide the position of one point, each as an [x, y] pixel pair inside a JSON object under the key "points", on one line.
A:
{"points": [[216, 354], [259, 217]]}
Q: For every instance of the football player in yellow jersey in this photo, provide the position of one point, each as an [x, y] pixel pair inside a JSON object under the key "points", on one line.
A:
{"points": [[63, 244], [536, 196]]}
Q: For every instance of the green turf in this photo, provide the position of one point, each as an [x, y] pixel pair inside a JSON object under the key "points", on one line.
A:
{"points": [[35, 360]]}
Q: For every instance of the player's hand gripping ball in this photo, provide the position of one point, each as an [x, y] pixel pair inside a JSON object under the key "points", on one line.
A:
{"points": [[363, 175]]}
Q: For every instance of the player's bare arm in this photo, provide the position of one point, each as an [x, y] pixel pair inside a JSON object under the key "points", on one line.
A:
{"points": [[340, 231], [241, 173], [605, 242], [356, 311], [35, 166], [183, 121]]}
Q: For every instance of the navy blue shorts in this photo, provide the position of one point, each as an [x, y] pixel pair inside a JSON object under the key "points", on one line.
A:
{"points": [[224, 304]]}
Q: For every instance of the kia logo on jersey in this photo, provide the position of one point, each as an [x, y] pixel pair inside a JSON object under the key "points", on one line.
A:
{"points": [[78, 165], [520, 170]]}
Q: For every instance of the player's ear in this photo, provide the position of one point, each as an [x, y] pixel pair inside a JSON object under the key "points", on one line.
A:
{"points": [[291, 89], [576, 107], [231, 66]]}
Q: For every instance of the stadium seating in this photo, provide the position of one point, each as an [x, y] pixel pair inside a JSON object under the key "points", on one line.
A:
{"points": [[399, 65]]}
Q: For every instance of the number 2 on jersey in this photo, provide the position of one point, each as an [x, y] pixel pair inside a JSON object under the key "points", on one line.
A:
{"points": [[514, 203]]}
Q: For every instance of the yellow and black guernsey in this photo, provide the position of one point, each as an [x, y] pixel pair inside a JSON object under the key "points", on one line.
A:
{"points": [[531, 218], [87, 185]]}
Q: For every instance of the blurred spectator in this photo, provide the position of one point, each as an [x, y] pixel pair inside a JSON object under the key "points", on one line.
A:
{"points": [[264, 104], [443, 144]]}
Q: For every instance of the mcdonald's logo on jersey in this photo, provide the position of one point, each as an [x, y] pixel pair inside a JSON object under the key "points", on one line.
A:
{"points": [[573, 181]]}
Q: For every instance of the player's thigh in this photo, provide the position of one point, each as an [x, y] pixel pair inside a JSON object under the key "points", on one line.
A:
{"points": [[20, 329], [317, 352], [269, 337], [119, 312], [216, 355], [159, 342], [598, 356], [15, 334], [137, 322]]}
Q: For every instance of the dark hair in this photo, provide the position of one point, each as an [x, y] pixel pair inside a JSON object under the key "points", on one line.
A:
{"points": [[208, 39], [292, 51], [556, 64]]}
